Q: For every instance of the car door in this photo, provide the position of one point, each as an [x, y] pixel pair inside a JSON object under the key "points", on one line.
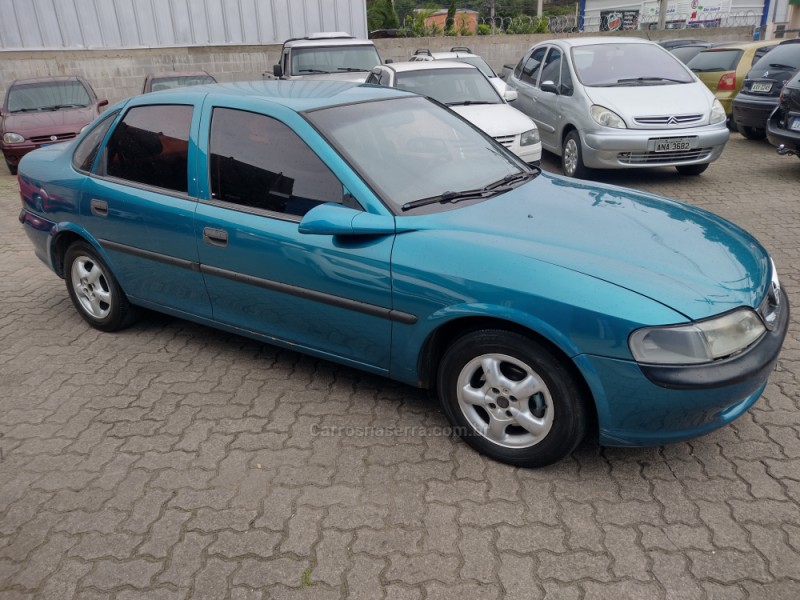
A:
{"points": [[526, 78], [139, 204], [327, 294], [548, 102]]}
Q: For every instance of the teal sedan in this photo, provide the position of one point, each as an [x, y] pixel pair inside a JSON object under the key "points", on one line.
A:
{"points": [[375, 228]]}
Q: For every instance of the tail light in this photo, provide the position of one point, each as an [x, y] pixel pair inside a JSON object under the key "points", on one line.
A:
{"points": [[727, 82]]}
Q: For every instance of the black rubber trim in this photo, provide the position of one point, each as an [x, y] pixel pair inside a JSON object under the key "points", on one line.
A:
{"points": [[754, 365], [292, 290], [154, 256]]}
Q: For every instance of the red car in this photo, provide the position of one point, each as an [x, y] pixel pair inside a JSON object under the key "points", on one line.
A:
{"points": [[43, 111]]}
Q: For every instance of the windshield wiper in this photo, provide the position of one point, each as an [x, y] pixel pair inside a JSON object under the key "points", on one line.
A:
{"points": [[648, 79], [312, 71], [496, 187], [709, 69], [781, 66], [352, 69], [60, 106], [469, 102], [25, 110]]}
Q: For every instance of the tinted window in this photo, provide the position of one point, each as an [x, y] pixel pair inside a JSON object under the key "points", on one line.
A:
{"points": [[715, 60], [782, 56], [259, 162], [48, 95], [450, 86], [627, 64], [151, 146], [686, 53], [530, 71], [167, 83], [552, 66], [86, 152]]}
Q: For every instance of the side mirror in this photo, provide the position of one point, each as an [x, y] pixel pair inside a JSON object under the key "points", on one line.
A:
{"points": [[510, 94], [103, 102], [549, 86], [335, 219], [277, 71], [388, 61]]}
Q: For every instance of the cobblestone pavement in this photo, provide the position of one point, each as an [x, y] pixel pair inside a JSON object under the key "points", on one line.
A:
{"points": [[174, 461]]}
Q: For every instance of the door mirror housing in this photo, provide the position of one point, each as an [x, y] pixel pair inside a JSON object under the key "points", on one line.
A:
{"points": [[550, 87], [335, 219], [510, 94], [277, 71]]}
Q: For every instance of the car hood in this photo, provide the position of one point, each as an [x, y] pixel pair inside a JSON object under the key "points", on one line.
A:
{"points": [[654, 100], [496, 119], [51, 121], [687, 259], [352, 76]]}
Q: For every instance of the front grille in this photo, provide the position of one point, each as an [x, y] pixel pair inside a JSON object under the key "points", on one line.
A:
{"points": [[654, 158], [668, 120], [46, 139], [506, 140]]}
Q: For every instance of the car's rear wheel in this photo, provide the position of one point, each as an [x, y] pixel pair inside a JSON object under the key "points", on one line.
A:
{"points": [[510, 398], [753, 133], [11, 168], [572, 156], [691, 169], [94, 291]]}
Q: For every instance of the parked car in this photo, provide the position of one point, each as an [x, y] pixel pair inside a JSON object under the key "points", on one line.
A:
{"points": [[375, 228], [166, 80], [783, 125], [723, 69], [43, 111], [613, 103], [672, 43], [465, 55], [327, 55], [762, 85], [689, 51], [467, 91]]}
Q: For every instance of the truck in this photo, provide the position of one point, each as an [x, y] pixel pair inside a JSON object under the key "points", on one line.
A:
{"points": [[328, 55]]}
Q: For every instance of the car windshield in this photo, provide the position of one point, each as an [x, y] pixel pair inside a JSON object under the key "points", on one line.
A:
{"points": [[477, 61], [334, 59], [47, 95], [611, 65], [450, 86], [410, 149], [785, 57], [715, 60], [166, 83]]}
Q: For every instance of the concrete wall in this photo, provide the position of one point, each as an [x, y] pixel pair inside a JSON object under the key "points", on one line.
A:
{"points": [[120, 73]]}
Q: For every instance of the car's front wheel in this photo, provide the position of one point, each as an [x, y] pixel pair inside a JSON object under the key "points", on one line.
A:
{"points": [[11, 168], [753, 133], [94, 291], [572, 156], [510, 398], [691, 169]]}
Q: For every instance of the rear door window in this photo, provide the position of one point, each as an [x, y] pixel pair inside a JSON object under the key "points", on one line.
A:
{"points": [[150, 146], [530, 70]]}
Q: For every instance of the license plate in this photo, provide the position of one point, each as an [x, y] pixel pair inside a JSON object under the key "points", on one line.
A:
{"points": [[761, 87], [673, 144], [795, 126]]}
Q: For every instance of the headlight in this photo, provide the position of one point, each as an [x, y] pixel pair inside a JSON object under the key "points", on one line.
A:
{"points": [[699, 342], [607, 118], [717, 112], [13, 138], [529, 138]]}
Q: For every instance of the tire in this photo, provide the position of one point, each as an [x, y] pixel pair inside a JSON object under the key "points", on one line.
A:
{"points": [[94, 291], [572, 156], [511, 399], [691, 169], [753, 133], [11, 168]]}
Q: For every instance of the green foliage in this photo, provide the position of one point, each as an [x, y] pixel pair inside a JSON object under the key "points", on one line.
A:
{"points": [[484, 29], [449, 24], [381, 15], [525, 24], [463, 27]]}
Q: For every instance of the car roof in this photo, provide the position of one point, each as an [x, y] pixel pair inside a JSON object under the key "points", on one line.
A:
{"points": [[744, 45], [324, 39], [295, 95], [593, 40], [161, 74], [429, 65], [48, 79], [446, 55]]}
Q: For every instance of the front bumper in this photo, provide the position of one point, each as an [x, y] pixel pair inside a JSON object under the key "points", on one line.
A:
{"points": [[13, 153], [608, 148], [752, 111], [640, 405]]}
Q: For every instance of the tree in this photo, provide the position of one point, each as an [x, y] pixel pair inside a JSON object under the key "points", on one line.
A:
{"points": [[450, 22], [381, 15]]}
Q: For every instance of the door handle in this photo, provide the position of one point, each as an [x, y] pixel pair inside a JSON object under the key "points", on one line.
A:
{"points": [[215, 237], [99, 207]]}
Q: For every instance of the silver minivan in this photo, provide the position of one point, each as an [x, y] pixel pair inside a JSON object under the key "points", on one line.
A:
{"points": [[616, 103]]}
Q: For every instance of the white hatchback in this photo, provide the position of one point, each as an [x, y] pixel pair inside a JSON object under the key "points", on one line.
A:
{"points": [[468, 92]]}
